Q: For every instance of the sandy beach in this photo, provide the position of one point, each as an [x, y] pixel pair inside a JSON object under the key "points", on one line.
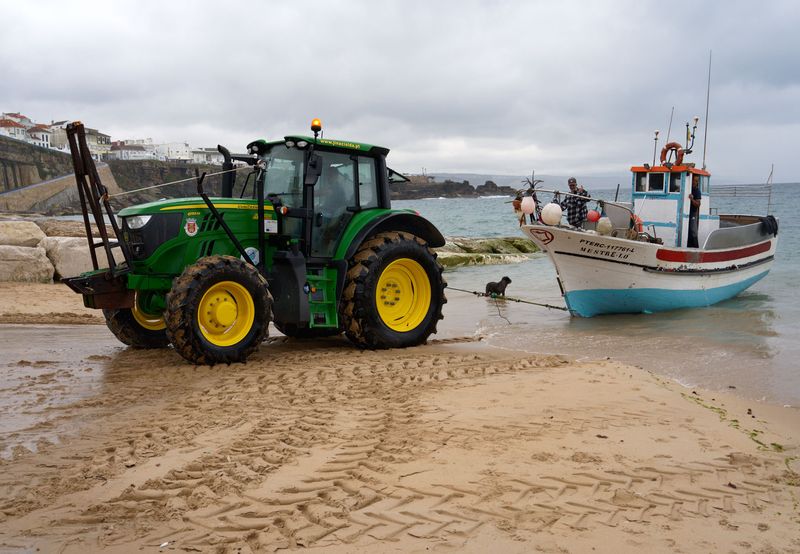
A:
{"points": [[450, 446]]}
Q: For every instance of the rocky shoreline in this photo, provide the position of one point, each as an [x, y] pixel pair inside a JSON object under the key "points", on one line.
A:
{"points": [[44, 250]]}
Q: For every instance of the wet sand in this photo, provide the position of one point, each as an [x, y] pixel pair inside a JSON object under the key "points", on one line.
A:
{"points": [[452, 445]]}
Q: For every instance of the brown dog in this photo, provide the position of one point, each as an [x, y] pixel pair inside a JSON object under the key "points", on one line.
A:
{"points": [[498, 289]]}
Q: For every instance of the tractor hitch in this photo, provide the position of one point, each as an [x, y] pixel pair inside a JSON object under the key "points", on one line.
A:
{"points": [[102, 289]]}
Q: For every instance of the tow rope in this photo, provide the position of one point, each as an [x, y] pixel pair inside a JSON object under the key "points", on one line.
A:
{"points": [[509, 298], [178, 181]]}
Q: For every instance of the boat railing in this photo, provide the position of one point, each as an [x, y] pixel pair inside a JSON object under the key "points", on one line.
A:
{"points": [[530, 191], [744, 191]]}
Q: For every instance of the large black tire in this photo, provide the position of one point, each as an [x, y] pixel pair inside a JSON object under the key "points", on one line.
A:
{"points": [[218, 311], [293, 331], [130, 331], [377, 319]]}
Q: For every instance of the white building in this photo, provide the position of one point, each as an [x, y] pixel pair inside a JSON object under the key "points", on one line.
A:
{"points": [[174, 152], [39, 135], [10, 128], [19, 118], [207, 156], [124, 151]]}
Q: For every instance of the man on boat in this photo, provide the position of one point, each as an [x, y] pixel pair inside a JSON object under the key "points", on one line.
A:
{"points": [[574, 205], [694, 212]]}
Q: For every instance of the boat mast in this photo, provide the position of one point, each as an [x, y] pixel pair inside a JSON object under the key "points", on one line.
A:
{"points": [[708, 96], [669, 129]]}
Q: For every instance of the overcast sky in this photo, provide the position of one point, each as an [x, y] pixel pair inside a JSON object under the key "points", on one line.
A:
{"points": [[486, 87]]}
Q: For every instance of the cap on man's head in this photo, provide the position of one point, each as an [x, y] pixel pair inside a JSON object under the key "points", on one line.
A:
{"points": [[572, 181]]}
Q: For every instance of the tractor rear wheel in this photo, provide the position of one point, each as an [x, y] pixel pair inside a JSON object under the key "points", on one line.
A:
{"points": [[393, 293], [293, 331], [137, 328], [218, 311]]}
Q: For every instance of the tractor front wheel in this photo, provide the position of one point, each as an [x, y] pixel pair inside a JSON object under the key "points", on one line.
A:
{"points": [[394, 292], [137, 328], [218, 311]]}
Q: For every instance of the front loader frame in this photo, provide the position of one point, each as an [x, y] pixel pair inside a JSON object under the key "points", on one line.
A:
{"points": [[103, 287]]}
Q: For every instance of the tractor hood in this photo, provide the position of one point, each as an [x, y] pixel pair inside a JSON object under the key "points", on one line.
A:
{"points": [[193, 203]]}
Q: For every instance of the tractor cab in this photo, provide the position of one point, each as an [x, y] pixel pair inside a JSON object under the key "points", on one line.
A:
{"points": [[345, 178]]}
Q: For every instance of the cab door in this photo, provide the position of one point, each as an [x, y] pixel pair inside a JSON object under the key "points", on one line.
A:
{"points": [[346, 185], [334, 193]]}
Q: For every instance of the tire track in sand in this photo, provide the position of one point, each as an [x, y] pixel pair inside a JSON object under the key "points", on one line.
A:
{"points": [[323, 438]]}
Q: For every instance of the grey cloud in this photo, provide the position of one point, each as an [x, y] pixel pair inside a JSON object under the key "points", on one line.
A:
{"points": [[494, 87]]}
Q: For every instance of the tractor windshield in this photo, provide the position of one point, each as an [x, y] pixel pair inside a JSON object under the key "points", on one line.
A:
{"points": [[285, 175]]}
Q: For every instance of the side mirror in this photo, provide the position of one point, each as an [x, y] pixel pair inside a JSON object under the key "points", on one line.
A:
{"points": [[313, 169]]}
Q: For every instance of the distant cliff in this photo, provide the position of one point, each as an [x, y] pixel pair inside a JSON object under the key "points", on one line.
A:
{"points": [[23, 164], [132, 175], [421, 187]]}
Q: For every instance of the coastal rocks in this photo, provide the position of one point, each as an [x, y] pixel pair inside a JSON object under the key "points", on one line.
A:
{"points": [[23, 263], [20, 233], [70, 255], [28, 254], [63, 228], [426, 188], [462, 251]]}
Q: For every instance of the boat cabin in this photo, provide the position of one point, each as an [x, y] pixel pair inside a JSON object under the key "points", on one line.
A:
{"points": [[660, 196]]}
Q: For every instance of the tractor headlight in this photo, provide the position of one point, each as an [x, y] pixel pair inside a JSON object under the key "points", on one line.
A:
{"points": [[302, 144], [289, 144], [137, 221]]}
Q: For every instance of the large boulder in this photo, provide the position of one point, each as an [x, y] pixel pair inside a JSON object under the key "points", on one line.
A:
{"points": [[65, 228], [70, 255], [23, 263], [20, 233]]}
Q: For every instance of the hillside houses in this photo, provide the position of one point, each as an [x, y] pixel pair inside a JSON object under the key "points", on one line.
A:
{"points": [[54, 135]]}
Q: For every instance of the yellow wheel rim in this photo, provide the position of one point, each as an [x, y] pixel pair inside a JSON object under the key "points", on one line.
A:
{"points": [[226, 313], [148, 321], [403, 296]]}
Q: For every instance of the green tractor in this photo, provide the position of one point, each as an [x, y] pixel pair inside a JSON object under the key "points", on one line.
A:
{"points": [[310, 242]]}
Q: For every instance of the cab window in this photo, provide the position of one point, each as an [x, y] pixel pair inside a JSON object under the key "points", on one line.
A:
{"points": [[334, 198], [367, 186], [284, 175]]}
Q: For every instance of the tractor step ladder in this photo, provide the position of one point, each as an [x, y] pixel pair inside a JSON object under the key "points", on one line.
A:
{"points": [[94, 198], [322, 300]]}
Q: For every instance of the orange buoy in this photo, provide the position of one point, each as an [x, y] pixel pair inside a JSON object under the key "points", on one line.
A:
{"points": [[676, 146]]}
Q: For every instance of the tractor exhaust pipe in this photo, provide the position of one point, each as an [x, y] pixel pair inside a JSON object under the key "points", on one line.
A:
{"points": [[228, 179]]}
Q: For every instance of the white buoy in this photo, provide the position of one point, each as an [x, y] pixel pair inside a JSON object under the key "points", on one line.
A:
{"points": [[604, 226], [528, 205], [551, 214]]}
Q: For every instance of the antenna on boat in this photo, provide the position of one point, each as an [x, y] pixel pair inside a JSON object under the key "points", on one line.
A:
{"points": [[655, 145], [669, 129], [708, 96], [769, 188]]}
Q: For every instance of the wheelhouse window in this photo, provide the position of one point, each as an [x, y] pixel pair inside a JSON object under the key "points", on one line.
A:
{"points": [[640, 182], [656, 182], [675, 182]]}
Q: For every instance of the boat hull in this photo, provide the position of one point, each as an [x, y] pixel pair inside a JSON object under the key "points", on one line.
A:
{"points": [[608, 275]]}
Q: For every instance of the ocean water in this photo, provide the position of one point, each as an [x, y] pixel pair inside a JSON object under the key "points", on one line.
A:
{"points": [[749, 345]]}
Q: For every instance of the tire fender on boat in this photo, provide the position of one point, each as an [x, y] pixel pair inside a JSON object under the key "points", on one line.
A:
{"points": [[676, 146]]}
